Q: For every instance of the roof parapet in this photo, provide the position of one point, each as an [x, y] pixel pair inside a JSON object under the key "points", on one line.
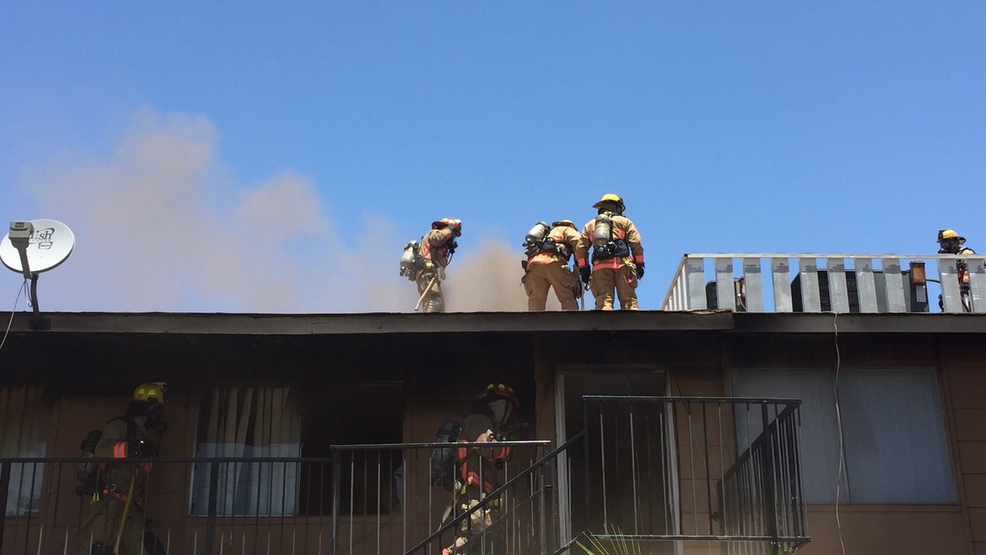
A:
{"points": [[840, 283]]}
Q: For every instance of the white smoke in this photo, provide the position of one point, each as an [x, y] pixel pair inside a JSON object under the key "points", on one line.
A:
{"points": [[486, 280], [162, 226]]}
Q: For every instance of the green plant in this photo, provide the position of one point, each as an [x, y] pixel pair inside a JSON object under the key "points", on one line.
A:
{"points": [[615, 544]]}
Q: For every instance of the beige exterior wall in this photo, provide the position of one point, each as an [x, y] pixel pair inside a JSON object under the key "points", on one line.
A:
{"points": [[886, 529], [901, 530], [964, 365]]}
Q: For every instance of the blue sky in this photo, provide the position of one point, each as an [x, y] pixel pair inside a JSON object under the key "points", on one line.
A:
{"points": [[251, 157]]}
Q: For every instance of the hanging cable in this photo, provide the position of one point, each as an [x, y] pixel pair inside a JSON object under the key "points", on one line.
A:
{"points": [[12, 312], [838, 422]]}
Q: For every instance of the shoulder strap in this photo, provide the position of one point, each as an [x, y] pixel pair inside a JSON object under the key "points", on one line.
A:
{"points": [[131, 426]]}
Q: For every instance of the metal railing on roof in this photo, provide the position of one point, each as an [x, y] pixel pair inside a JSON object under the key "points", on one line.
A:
{"points": [[867, 283]]}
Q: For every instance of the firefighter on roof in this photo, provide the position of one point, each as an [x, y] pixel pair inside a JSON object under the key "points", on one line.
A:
{"points": [[435, 253], [617, 255], [549, 249], [117, 522], [950, 242]]}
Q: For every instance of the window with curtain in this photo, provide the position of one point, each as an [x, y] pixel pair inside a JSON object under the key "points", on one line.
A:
{"points": [[244, 422], [24, 413], [895, 449], [298, 421]]}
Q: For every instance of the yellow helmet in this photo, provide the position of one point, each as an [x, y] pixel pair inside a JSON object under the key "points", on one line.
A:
{"points": [[565, 223], [150, 392], [946, 234], [610, 197]]}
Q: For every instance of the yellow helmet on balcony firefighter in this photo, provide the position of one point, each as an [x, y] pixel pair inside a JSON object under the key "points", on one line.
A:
{"points": [[949, 241], [608, 201], [150, 392], [566, 223]]}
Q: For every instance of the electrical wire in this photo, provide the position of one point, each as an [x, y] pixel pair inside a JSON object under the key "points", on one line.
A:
{"points": [[838, 421], [12, 312]]}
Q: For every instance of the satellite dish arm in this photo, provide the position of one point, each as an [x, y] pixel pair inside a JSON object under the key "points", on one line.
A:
{"points": [[20, 237], [26, 266], [34, 295]]}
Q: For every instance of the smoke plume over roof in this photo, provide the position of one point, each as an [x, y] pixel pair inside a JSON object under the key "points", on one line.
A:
{"points": [[162, 225]]}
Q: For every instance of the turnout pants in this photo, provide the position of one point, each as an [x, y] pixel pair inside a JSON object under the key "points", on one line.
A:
{"points": [[433, 300], [623, 280], [540, 277], [98, 532], [470, 530]]}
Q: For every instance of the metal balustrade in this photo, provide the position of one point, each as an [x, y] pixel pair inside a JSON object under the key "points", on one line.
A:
{"points": [[841, 283], [364, 499], [761, 496], [669, 470]]}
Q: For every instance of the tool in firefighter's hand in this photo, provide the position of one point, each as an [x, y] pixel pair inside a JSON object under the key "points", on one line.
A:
{"points": [[427, 288], [584, 273], [451, 505], [126, 510]]}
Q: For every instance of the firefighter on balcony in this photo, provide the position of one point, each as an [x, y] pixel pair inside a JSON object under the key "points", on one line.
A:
{"points": [[491, 420], [117, 522], [435, 253], [617, 255], [949, 242], [548, 252]]}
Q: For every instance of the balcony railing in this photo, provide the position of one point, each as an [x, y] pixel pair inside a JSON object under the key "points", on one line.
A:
{"points": [[668, 470], [760, 496], [364, 499], [842, 283]]}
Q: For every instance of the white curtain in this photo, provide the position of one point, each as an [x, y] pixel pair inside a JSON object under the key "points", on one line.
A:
{"points": [[24, 413], [819, 428], [896, 445], [245, 422], [894, 440]]}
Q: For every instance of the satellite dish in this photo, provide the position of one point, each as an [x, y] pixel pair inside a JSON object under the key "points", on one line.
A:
{"points": [[34, 247], [49, 246]]}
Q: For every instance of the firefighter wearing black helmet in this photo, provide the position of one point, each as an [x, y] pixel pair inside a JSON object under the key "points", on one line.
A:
{"points": [[617, 261]]}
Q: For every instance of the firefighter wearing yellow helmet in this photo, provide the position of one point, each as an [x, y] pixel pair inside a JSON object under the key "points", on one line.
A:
{"points": [[617, 255], [950, 242], [549, 250], [436, 250], [117, 522]]}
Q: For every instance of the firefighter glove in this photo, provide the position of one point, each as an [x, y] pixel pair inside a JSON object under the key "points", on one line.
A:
{"points": [[640, 270], [584, 273]]}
